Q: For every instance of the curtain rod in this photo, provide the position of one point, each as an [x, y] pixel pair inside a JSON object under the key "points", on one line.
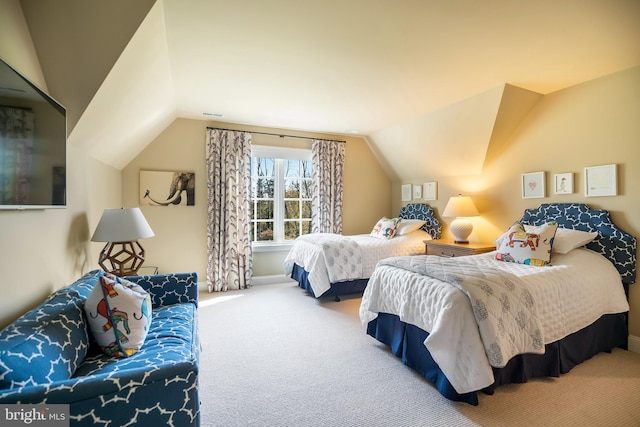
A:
{"points": [[281, 135]]}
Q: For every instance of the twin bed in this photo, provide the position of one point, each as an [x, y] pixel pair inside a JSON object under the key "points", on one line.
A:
{"points": [[332, 265], [472, 323]]}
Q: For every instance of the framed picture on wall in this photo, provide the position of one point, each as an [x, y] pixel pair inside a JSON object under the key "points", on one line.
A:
{"points": [[600, 181], [159, 188], [533, 185], [417, 191], [563, 183], [406, 192], [430, 190]]}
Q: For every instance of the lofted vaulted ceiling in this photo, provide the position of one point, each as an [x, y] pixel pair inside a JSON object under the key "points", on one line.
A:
{"points": [[421, 76]]}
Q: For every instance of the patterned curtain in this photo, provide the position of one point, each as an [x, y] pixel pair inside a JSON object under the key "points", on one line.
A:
{"points": [[16, 150], [228, 157], [326, 202]]}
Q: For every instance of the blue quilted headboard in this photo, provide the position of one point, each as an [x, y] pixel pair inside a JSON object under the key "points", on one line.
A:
{"points": [[425, 213], [616, 245]]}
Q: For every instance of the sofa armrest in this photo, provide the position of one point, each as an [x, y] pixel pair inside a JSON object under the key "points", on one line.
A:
{"points": [[156, 395], [82, 388], [168, 289]]}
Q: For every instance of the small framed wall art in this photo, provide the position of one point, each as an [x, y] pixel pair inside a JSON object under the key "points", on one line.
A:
{"points": [[406, 192], [563, 183], [600, 181], [417, 191], [533, 185], [430, 190]]}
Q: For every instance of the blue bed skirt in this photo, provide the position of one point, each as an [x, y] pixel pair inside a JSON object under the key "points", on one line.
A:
{"points": [[406, 342], [337, 289]]}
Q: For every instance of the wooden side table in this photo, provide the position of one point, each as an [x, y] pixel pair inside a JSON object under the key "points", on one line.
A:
{"points": [[448, 248]]}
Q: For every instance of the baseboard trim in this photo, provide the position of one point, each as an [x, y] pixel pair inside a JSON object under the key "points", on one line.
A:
{"points": [[633, 343], [256, 280], [271, 280]]}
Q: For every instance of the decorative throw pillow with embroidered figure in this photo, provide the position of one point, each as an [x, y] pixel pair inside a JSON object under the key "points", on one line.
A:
{"points": [[532, 246], [119, 315]]}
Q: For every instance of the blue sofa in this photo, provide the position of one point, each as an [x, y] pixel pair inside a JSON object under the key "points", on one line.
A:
{"points": [[47, 357]]}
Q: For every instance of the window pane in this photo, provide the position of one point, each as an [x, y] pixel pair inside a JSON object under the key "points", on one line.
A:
{"points": [[264, 209], [306, 168], [291, 168], [262, 166], [265, 231], [306, 209], [305, 188], [291, 188], [291, 209], [263, 188], [306, 227], [291, 230]]}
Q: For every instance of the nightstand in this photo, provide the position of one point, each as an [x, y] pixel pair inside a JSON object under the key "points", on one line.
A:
{"points": [[448, 248]]}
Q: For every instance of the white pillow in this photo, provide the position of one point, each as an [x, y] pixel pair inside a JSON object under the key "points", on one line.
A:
{"points": [[407, 226], [386, 228], [567, 239], [531, 246]]}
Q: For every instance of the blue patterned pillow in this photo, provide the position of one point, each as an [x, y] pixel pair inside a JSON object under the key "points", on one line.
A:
{"points": [[46, 345], [531, 246]]}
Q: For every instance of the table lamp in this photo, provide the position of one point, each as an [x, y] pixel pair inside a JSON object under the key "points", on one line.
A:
{"points": [[460, 207], [121, 229]]}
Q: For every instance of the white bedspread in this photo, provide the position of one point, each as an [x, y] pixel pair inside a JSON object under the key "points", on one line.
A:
{"points": [[576, 290], [331, 258]]}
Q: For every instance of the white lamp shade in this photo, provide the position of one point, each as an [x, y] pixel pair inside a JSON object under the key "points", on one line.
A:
{"points": [[122, 225], [460, 207]]}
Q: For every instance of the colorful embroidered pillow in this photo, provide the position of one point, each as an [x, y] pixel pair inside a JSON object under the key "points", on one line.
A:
{"points": [[386, 228], [527, 247], [119, 315]]}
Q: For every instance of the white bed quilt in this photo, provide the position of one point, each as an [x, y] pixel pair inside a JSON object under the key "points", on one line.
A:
{"points": [[576, 290], [331, 258]]}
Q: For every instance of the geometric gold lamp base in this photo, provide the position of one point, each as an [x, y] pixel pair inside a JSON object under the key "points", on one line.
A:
{"points": [[123, 258]]}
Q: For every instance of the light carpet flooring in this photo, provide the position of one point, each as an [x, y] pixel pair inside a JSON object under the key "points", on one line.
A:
{"points": [[274, 356]]}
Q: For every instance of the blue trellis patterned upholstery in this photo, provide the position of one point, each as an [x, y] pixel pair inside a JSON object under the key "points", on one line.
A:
{"points": [[47, 356], [425, 213], [616, 245]]}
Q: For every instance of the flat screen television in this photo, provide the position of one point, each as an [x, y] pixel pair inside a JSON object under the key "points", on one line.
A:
{"points": [[33, 145]]}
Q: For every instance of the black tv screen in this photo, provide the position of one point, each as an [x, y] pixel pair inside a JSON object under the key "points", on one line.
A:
{"points": [[33, 145]]}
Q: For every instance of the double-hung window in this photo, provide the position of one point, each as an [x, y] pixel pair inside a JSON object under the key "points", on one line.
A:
{"points": [[280, 195]]}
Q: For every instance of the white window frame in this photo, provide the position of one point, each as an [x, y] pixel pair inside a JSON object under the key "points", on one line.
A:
{"points": [[283, 153]]}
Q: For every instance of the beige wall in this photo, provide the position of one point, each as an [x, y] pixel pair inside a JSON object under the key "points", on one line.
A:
{"points": [[180, 242], [595, 123], [45, 250]]}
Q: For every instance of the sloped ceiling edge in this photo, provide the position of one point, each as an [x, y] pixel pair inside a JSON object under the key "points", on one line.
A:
{"points": [[515, 104], [448, 142]]}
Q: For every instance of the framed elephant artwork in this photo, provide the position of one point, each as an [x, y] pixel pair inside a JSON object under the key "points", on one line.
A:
{"points": [[161, 188]]}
